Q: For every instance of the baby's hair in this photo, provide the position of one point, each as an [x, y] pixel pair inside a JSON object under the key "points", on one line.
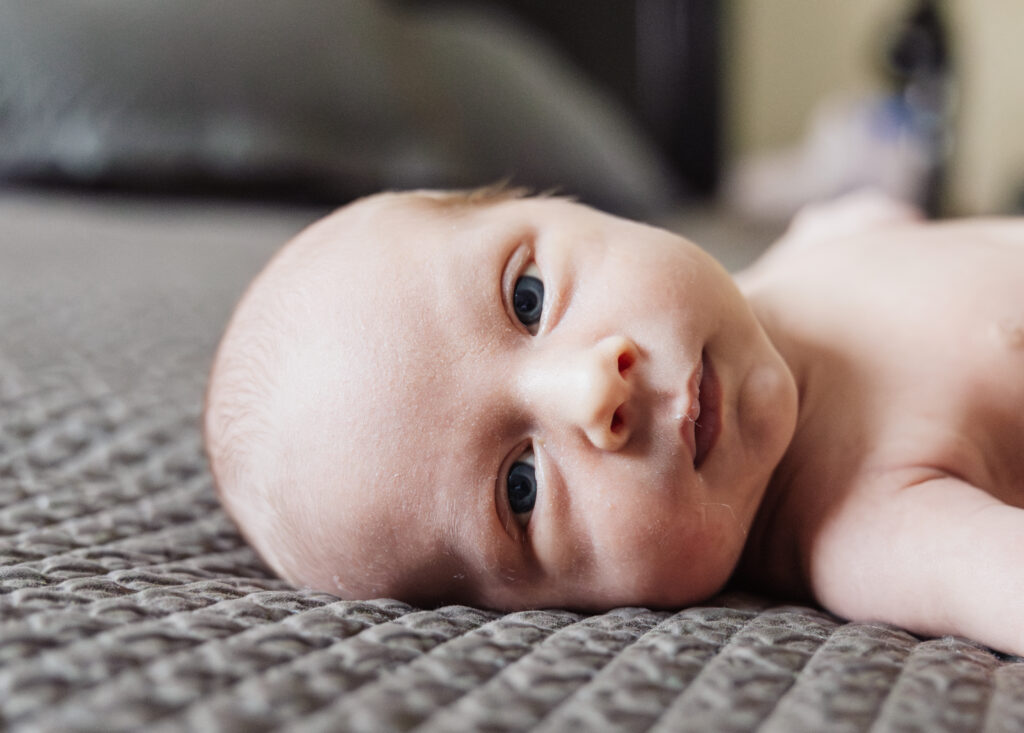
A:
{"points": [[494, 193], [241, 430], [236, 424]]}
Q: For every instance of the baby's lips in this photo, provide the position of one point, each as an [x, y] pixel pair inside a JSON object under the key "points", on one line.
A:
{"points": [[688, 419], [706, 432]]}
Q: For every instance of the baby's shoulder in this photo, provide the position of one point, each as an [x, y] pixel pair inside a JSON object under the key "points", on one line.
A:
{"points": [[823, 223], [863, 232], [894, 265], [855, 213]]}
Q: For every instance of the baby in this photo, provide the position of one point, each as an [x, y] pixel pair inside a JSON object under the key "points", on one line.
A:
{"points": [[521, 402]]}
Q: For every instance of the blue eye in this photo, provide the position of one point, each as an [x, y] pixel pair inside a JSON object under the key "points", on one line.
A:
{"points": [[528, 299], [522, 487]]}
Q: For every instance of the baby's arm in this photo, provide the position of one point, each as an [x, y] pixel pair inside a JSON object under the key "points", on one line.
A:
{"points": [[938, 557]]}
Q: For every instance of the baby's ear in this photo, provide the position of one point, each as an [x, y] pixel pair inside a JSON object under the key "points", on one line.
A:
{"points": [[856, 212]]}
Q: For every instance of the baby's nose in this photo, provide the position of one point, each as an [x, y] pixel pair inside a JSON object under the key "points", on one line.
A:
{"points": [[589, 388]]}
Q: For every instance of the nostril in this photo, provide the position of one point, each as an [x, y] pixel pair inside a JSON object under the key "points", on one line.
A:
{"points": [[626, 360], [618, 423]]}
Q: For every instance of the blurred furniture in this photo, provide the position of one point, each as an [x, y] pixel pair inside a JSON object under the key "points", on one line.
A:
{"points": [[787, 55], [660, 59], [307, 100]]}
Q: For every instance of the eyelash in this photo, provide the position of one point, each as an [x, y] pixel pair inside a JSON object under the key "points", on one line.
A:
{"points": [[522, 487], [525, 302], [519, 485]]}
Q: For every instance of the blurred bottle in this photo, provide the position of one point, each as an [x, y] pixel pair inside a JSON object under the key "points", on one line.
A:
{"points": [[919, 66], [896, 141]]}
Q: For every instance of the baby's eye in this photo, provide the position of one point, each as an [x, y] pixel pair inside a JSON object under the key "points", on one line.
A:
{"points": [[521, 486], [528, 298]]}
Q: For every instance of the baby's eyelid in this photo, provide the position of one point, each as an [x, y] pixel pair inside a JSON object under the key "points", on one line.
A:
{"points": [[516, 525], [530, 278], [532, 270], [528, 457], [520, 262]]}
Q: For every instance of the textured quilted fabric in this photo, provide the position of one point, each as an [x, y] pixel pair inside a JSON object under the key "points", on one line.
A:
{"points": [[129, 602]]}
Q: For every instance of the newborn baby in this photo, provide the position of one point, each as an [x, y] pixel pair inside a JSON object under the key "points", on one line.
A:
{"points": [[521, 402]]}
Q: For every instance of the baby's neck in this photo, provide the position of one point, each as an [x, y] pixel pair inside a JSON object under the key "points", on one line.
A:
{"points": [[771, 560]]}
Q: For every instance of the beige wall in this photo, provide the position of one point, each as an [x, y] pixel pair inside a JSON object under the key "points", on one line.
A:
{"points": [[990, 50], [782, 56]]}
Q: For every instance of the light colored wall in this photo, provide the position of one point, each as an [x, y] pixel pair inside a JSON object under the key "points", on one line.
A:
{"points": [[989, 162], [783, 56]]}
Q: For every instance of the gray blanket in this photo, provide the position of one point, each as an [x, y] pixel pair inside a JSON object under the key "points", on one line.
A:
{"points": [[128, 601]]}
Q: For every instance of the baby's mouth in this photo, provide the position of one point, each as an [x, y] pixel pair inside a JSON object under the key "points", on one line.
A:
{"points": [[707, 421]]}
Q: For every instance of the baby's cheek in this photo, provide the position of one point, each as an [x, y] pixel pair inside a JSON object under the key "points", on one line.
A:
{"points": [[651, 537], [710, 548], [664, 574], [766, 408]]}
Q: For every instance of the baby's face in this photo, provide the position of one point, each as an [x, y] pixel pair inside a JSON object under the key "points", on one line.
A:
{"points": [[522, 404]]}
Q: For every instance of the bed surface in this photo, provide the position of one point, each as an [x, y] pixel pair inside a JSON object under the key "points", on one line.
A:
{"points": [[128, 601]]}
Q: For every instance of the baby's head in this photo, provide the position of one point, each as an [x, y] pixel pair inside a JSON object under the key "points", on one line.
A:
{"points": [[491, 399]]}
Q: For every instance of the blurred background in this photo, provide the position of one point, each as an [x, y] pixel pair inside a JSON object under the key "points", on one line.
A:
{"points": [[716, 118]]}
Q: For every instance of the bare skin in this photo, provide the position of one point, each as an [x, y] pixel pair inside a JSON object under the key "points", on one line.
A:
{"points": [[840, 423], [900, 497], [405, 389]]}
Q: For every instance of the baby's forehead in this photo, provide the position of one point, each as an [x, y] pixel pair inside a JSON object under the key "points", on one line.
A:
{"points": [[386, 261], [387, 515], [406, 219], [388, 211]]}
